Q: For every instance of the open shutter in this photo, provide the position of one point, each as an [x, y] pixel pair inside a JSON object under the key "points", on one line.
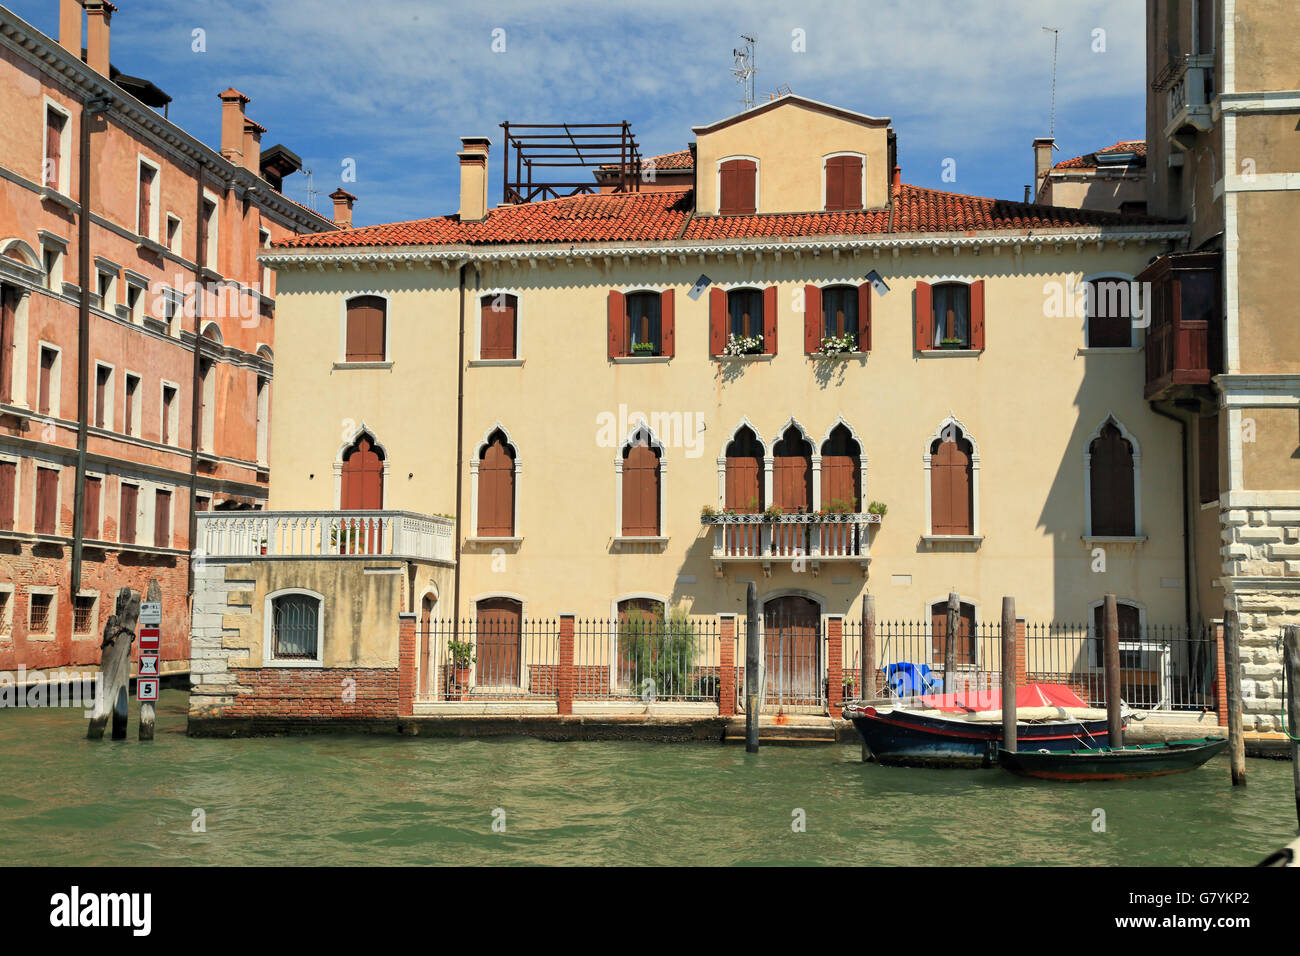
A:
{"points": [[717, 321], [977, 315], [667, 324], [864, 317], [617, 325], [924, 317], [812, 319], [769, 320]]}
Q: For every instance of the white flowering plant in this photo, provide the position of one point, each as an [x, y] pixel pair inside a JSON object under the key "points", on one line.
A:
{"points": [[743, 345], [838, 344]]}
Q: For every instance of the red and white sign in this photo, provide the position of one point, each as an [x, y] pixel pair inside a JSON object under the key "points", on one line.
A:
{"points": [[148, 665], [146, 688], [149, 638]]}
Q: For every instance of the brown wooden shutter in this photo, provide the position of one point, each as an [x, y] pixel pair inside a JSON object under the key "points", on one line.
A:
{"points": [[1111, 485], [717, 321], [950, 489], [737, 187], [8, 316], [146, 185], [101, 395], [769, 320], [499, 629], [617, 324], [839, 479], [924, 317], [162, 519], [834, 183], [44, 385], [641, 492], [864, 317], [47, 501], [90, 508], [53, 147], [977, 315], [129, 503], [964, 652], [499, 324], [8, 478], [365, 329], [496, 492], [667, 324], [852, 181], [812, 319]]}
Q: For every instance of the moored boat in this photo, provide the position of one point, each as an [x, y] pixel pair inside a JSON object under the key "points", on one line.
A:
{"points": [[966, 730], [1105, 763]]}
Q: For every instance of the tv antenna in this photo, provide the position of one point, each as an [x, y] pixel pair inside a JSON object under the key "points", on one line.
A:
{"points": [[744, 69], [1056, 40], [312, 191]]}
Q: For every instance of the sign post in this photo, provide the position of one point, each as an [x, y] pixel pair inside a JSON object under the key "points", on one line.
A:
{"points": [[148, 675]]}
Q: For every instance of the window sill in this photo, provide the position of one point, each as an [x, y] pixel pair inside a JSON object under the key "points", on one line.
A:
{"points": [[515, 541], [1091, 539], [1118, 350], [971, 540], [496, 363], [208, 274], [274, 663], [145, 244], [761, 357], [641, 359], [50, 194], [625, 540], [950, 353], [344, 366]]}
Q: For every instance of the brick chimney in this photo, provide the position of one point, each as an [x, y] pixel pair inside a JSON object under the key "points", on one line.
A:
{"points": [[1043, 147], [70, 26], [98, 15], [343, 201], [253, 144], [232, 125], [473, 177]]}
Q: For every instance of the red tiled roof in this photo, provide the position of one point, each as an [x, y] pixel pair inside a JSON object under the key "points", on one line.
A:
{"points": [[1136, 146], [665, 215], [678, 160]]}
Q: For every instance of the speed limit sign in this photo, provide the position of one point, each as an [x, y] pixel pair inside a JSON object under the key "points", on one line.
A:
{"points": [[146, 689]]}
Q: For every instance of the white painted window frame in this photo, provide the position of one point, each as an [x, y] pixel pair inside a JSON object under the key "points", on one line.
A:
{"points": [[177, 244], [110, 396], [1087, 318], [1137, 481], [378, 446], [94, 616], [936, 435], [155, 197], [343, 328], [519, 326], [212, 247], [758, 182], [517, 536], [56, 380], [174, 425], [53, 618], [268, 630], [64, 175], [132, 418], [862, 186], [655, 443]]}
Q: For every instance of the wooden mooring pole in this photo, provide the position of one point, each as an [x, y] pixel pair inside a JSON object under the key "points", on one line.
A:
{"points": [[751, 668], [1232, 664], [1009, 673], [1114, 688], [1291, 664], [950, 643], [115, 667], [868, 658]]}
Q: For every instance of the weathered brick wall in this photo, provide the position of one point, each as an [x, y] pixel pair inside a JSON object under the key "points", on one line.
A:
{"points": [[1261, 567], [332, 692]]}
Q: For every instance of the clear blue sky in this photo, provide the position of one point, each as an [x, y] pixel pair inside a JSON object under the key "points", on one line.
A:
{"points": [[392, 84]]}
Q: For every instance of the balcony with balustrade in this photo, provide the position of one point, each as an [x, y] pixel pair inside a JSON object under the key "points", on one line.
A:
{"points": [[1188, 83], [1184, 340], [326, 535], [801, 539]]}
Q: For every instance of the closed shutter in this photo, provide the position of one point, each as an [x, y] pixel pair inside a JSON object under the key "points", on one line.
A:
{"points": [[146, 187], [90, 508], [839, 479], [744, 484], [844, 182], [864, 317], [667, 324], [45, 383], [977, 315], [162, 519], [617, 324], [53, 147], [641, 492], [8, 306], [499, 327], [924, 317], [101, 395], [1111, 485], [812, 319], [496, 491], [365, 329], [950, 489], [769, 320], [499, 627], [737, 184], [47, 501], [717, 321], [964, 652], [127, 513], [791, 480], [8, 484]]}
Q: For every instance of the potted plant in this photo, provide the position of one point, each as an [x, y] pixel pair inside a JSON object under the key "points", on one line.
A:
{"points": [[643, 348], [738, 345], [850, 686], [838, 344], [878, 508], [773, 511], [952, 344], [460, 655], [261, 545]]}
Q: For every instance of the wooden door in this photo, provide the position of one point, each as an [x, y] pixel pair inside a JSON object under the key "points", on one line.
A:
{"points": [[791, 651], [950, 488], [965, 648], [497, 650], [361, 489]]}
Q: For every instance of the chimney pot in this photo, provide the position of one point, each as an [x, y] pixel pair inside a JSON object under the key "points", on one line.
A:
{"points": [[1043, 146], [232, 125], [343, 201], [99, 14], [252, 144], [473, 177], [897, 178]]}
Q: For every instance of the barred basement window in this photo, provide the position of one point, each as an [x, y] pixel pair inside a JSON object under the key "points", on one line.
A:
{"points": [[38, 618], [6, 613], [83, 614], [295, 627]]}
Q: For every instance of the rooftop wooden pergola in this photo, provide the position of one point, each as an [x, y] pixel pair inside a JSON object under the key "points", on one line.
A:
{"points": [[543, 146]]}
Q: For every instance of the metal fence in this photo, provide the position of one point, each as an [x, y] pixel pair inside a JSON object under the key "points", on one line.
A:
{"points": [[646, 658], [488, 659]]}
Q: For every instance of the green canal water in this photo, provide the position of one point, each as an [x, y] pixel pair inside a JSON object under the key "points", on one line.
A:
{"points": [[379, 800]]}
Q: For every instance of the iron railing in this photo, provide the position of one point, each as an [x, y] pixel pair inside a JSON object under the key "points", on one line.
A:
{"points": [[488, 659], [647, 659]]}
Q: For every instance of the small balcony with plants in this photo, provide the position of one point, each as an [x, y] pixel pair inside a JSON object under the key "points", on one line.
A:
{"points": [[837, 532]]}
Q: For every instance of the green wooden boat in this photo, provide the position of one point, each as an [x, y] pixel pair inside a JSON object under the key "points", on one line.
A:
{"points": [[1106, 763]]}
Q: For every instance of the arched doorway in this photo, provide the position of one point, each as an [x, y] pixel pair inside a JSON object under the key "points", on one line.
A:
{"points": [[792, 651], [500, 630], [428, 604], [361, 489]]}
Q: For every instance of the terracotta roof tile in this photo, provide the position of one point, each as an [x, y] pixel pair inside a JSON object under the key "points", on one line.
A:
{"points": [[1137, 146], [665, 215]]}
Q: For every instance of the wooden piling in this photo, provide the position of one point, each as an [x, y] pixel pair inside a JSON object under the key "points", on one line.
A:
{"points": [[115, 667], [1232, 664], [868, 658], [1114, 686], [1009, 673], [153, 593], [1291, 663], [950, 643], [751, 668]]}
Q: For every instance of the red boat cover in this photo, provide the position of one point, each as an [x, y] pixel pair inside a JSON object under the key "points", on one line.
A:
{"points": [[1031, 695]]}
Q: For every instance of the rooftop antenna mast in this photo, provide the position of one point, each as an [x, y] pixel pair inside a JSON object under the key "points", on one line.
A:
{"points": [[312, 191], [744, 69], [1056, 40]]}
